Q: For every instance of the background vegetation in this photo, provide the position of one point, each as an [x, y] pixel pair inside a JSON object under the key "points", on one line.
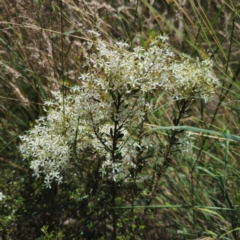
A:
{"points": [[43, 45]]}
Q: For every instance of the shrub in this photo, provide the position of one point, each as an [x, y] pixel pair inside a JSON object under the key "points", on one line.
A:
{"points": [[98, 135]]}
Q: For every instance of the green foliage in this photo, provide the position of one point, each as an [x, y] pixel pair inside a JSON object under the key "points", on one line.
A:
{"points": [[51, 235]]}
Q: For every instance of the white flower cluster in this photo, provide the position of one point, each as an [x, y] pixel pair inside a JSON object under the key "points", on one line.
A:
{"points": [[186, 144], [189, 79], [106, 110]]}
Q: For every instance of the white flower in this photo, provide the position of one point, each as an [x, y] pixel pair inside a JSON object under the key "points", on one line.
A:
{"points": [[164, 38], [95, 33], [122, 44], [84, 76], [1, 196]]}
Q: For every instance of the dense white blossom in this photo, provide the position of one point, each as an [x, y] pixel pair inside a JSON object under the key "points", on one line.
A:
{"points": [[104, 112]]}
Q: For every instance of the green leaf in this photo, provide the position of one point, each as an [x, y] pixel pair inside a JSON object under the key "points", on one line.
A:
{"points": [[200, 130]]}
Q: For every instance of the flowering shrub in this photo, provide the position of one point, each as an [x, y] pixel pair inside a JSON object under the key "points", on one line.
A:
{"points": [[105, 114]]}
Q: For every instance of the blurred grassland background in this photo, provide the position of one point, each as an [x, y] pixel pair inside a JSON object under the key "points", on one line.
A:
{"points": [[43, 47]]}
